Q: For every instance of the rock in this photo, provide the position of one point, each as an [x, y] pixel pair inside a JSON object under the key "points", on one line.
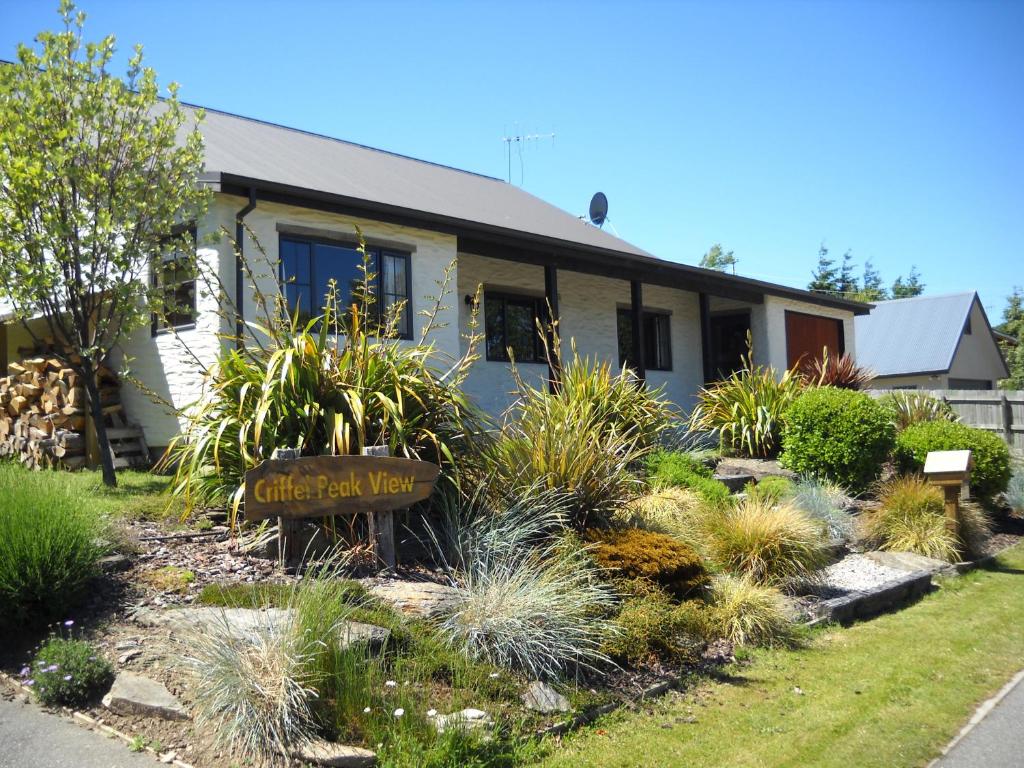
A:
{"points": [[112, 563], [328, 753], [424, 599], [134, 694], [124, 645], [758, 468], [468, 719], [242, 622], [734, 482], [124, 658], [541, 697], [168, 757]]}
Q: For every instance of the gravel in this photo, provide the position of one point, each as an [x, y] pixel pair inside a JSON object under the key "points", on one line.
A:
{"points": [[858, 573]]}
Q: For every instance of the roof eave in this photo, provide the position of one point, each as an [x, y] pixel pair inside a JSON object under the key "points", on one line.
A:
{"points": [[271, 191]]}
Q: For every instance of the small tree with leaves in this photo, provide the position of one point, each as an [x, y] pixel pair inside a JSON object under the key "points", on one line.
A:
{"points": [[906, 289], [872, 288], [97, 177], [717, 259], [847, 282]]}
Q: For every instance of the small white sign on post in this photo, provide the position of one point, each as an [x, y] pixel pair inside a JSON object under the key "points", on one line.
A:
{"points": [[951, 471]]}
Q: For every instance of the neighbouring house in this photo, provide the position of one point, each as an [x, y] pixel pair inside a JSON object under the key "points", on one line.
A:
{"points": [[297, 197], [930, 342]]}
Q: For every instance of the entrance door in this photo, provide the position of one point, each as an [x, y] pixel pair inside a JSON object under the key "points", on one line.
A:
{"points": [[807, 335], [728, 342]]}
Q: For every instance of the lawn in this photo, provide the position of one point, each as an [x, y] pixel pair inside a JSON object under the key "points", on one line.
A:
{"points": [[889, 692]]}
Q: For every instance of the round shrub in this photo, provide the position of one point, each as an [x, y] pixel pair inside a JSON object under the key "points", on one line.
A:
{"points": [[768, 544], [991, 472], [837, 434], [633, 553], [771, 490], [68, 672], [650, 624]]}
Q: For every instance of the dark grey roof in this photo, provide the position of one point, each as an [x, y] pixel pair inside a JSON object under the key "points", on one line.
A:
{"points": [[904, 337], [309, 161], [245, 153]]}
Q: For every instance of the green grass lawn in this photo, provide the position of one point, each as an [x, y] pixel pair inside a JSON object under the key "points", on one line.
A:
{"points": [[889, 692]]}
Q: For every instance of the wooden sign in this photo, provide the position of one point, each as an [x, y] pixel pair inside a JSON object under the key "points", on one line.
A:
{"points": [[312, 486]]}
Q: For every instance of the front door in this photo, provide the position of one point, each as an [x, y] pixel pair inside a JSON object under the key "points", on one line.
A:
{"points": [[728, 342], [808, 335]]}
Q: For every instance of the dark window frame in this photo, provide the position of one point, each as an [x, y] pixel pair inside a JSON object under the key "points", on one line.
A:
{"points": [[539, 313], [157, 327], [660, 316], [376, 252]]}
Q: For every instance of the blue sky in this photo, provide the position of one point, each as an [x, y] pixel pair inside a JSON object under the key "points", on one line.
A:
{"points": [[893, 129]]}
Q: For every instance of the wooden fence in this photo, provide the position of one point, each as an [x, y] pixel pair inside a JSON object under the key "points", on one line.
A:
{"points": [[999, 410]]}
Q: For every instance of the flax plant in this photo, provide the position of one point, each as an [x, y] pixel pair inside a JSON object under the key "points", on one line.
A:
{"points": [[745, 410], [330, 385]]}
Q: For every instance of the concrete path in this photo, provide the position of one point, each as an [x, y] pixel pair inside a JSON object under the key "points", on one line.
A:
{"points": [[994, 738], [31, 738]]}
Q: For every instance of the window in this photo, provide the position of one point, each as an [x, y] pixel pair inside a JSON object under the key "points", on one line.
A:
{"points": [[510, 321], [308, 266], [967, 326], [175, 279], [657, 340]]}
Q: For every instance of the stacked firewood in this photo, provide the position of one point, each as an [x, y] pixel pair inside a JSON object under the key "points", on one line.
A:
{"points": [[43, 414]]}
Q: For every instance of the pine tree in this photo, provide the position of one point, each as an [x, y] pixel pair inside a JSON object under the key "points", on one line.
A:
{"points": [[718, 259], [912, 286], [871, 284], [825, 278], [1013, 325], [847, 280]]}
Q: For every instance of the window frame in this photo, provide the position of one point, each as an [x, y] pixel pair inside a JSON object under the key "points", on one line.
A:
{"points": [[158, 328], [645, 313], [539, 313], [376, 252]]}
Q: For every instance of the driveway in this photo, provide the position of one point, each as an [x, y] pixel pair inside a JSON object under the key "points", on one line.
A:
{"points": [[997, 739], [32, 738]]}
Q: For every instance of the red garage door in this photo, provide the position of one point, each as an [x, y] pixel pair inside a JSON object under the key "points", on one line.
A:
{"points": [[807, 335]]}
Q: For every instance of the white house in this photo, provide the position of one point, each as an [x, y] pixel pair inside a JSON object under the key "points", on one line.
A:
{"points": [[930, 342], [298, 196]]}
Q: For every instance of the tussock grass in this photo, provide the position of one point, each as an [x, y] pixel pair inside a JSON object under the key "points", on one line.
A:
{"points": [[768, 544], [748, 613]]}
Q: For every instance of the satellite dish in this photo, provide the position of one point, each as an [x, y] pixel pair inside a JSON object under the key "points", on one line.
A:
{"points": [[598, 209]]}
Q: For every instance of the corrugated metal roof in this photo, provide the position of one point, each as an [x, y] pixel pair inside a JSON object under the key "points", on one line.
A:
{"points": [[251, 148], [911, 336]]}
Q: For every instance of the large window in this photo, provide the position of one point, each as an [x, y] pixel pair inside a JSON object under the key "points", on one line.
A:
{"points": [[308, 266], [510, 322], [175, 277], [657, 340]]}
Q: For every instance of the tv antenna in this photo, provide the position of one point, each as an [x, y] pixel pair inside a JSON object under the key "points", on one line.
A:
{"points": [[515, 143]]}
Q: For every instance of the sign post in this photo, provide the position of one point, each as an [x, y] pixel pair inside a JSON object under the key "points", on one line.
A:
{"points": [[315, 486]]}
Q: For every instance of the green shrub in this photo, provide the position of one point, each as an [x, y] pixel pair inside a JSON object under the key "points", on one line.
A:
{"points": [[68, 672], [682, 470], [768, 544], [651, 625], [907, 407], [770, 490], [746, 409], [633, 553], [747, 613], [991, 472], [837, 434], [51, 540], [911, 518]]}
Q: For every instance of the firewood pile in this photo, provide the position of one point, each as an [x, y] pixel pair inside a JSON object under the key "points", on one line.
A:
{"points": [[43, 417]]}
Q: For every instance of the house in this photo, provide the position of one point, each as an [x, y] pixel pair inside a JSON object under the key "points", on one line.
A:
{"points": [[297, 197], [930, 342]]}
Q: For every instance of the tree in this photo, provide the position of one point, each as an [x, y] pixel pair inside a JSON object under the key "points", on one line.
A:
{"points": [[94, 183], [847, 282], [825, 278], [718, 259], [871, 284], [1013, 325], [912, 286]]}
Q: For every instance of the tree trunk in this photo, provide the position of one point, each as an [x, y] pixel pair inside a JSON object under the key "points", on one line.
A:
{"points": [[92, 389]]}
